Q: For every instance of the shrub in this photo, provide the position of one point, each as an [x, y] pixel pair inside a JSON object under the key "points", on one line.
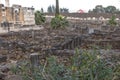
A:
{"points": [[59, 22], [89, 66], [112, 21], [39, 18], [83, 65]]}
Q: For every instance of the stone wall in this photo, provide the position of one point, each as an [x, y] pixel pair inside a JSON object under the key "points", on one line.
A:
{"points": [[17, 15]]}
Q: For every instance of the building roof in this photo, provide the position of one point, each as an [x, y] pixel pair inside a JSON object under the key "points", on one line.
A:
{"points": [[80, 11]]}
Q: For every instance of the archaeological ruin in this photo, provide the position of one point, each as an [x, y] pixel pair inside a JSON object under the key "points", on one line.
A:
{"points": [[16, 15]]}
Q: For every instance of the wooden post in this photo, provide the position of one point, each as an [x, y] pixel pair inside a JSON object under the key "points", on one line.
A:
{"points": [[35, 59]]}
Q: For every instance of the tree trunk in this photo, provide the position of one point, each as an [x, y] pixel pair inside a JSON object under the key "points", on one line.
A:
{"points": [[57, 8]]}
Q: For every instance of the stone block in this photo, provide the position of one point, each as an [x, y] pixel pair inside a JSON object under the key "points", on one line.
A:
{"points": [[3, 58]]}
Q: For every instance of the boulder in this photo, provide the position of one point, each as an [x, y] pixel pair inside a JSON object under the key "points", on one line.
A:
{"points": [[3, 58], [2, 76], [13, 77]]}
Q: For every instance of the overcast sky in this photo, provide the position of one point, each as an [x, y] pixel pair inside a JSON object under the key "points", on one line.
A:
{"points": [[73, 5]]}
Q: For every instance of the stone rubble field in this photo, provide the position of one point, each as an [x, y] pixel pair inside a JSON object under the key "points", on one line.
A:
{"points": [[17, 46]]}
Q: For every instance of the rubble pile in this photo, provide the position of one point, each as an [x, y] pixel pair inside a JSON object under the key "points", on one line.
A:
{"points": [[103, 39], [18, 44]]}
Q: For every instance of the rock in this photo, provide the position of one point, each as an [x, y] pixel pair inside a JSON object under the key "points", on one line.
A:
{"points": [[7, 66], [3, 58], [4, 69], [13, 77], [2, 76], [11, 64]]}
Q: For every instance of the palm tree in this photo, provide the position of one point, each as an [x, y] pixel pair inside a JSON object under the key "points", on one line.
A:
{"points": [[57, 8]]}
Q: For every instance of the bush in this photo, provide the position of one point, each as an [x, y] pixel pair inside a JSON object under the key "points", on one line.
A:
{"points": [[112, 21], [89, 66], [39, 18], [59, 22], [83, 65]]}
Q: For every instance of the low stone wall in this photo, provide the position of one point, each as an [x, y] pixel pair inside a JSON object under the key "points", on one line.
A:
{"points": [[103, 44]]}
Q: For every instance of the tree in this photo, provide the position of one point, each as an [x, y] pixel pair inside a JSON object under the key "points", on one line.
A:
{"points": [[42, 10], [110, 9], [99, 9], [90, 11], [57, 8], [49, 10], [64, 10], [39, 18], [58, 21], [53, 8]]}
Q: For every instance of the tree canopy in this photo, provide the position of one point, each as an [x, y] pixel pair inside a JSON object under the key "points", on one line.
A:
{"points": [[101, 9], [52, 9]]}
